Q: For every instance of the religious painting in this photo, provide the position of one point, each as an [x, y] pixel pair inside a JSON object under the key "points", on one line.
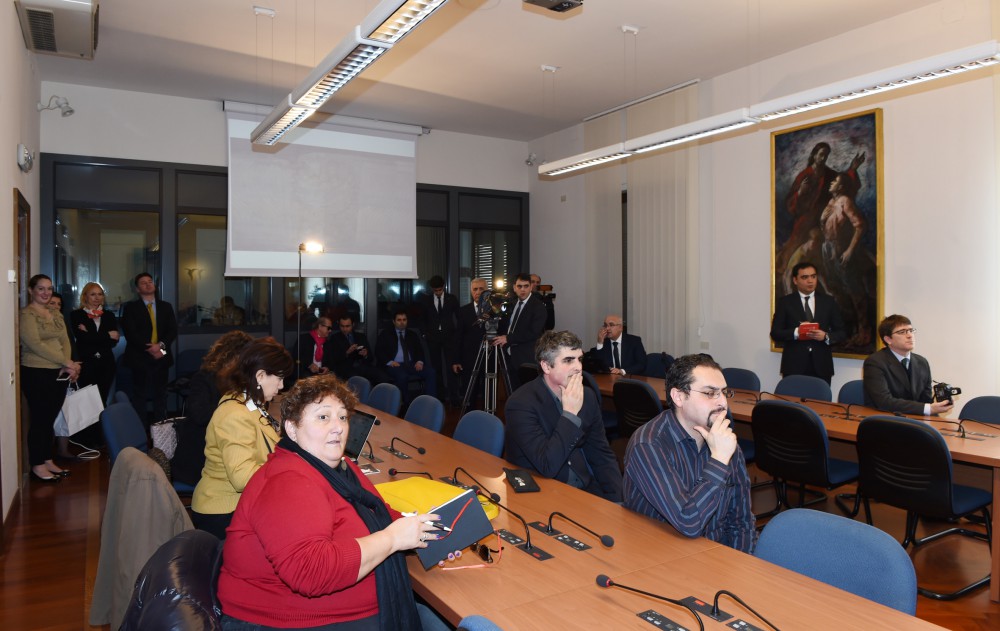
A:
{"points": [[826, 209]]}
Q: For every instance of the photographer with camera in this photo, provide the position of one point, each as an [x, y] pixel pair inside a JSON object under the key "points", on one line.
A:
{"points": [[898, 380]]}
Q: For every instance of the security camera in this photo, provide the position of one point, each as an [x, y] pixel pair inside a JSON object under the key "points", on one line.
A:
{"points": [[530, 160]]}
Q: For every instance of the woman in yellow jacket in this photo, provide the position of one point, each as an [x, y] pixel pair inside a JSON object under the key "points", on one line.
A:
{"points": [[241, 433]]}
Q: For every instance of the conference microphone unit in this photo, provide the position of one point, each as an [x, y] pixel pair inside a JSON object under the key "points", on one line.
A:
{"points": [[394, 472], [534, 551], [606, 540], [605, 581], [392, 448], [494, 497]]}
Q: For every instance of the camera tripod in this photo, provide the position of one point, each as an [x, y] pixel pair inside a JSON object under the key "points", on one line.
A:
{"points": [[489, 362]]}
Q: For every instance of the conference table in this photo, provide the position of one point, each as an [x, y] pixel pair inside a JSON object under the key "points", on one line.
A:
{"points": [[521, 592], [980, 447]]}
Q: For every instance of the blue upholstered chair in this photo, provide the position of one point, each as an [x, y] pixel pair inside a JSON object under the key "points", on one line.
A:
{"points": [[481, 430], [122, 428], [426, 411], [361, 387], [386, 397], [477, 623], [852, 393], [985, 409], [853, 556], [657, 364], [741, 379], [804, 386]]}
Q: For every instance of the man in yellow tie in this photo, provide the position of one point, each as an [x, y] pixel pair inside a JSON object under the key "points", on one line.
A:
{"points": [[150, 328]]}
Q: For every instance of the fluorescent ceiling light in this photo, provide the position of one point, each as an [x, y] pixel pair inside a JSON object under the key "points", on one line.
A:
{"points": [[689, 132], [582, 161], [388, 22], [936, 67]]}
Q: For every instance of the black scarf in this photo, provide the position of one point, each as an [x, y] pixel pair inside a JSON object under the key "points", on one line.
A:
{"points": [[397, 609]]}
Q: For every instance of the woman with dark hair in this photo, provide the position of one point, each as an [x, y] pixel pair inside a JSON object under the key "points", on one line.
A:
{"points": [[200, 403], [313, 545], [46, 365], [96, 333], [241, 432]]}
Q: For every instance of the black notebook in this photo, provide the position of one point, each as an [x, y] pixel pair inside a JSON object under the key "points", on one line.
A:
{"points": [[468, 522]]}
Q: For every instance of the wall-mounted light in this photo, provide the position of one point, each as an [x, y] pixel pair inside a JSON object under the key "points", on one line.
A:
{"points": [[57, 102], [25, 158]]}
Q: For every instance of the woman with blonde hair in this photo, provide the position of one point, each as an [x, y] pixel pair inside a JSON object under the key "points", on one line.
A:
{"points": [[96, 333]]}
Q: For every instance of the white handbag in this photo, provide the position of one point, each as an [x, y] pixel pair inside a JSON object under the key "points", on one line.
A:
{"points": [[165, 435], [81, 409]]}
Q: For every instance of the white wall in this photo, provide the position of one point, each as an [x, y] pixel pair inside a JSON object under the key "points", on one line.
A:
{"points": [[18, 97], [940, 188]]}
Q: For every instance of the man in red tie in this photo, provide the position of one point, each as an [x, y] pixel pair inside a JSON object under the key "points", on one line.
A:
{"points": [[150, 329]]}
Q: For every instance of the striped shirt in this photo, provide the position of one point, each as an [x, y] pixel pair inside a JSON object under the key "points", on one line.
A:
{"points": [[668, 478]]}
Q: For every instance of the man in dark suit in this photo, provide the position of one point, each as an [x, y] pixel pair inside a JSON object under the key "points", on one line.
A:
{"points": [[621, 352], [807, 352], [548, 300], [897, 379], [399, 354], [347, 353], [469, 335], [150, 329], [522, 329], [439, 311], [554, 424]]}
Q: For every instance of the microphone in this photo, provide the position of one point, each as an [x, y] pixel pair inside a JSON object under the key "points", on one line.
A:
{"points": [[392, 445], [959, 422], [493, 496], [371, 451], [604, 581], [393, 472], [606, 540], [527, 531]]}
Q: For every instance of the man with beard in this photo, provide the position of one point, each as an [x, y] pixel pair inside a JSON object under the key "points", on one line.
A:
{"points": [[685, 466]]}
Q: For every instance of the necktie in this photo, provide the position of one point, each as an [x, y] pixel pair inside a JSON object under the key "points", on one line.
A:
{"points": [[153, 339], [614, 353], [437, 303], [906, 364], [809, 313], [513, 319], [400, 354]]}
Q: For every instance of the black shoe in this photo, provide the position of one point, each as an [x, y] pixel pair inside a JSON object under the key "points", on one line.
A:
{"points": [[50, 480], [60, 474]]}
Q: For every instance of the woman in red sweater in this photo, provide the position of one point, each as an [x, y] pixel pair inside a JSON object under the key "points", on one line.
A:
{"points": [[312, 544]]}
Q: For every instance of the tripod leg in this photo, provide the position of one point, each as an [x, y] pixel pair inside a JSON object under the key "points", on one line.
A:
{"points": [[506, 373], [481, 358]]}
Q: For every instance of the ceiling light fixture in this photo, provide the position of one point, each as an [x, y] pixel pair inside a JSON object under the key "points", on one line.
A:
{"points": [[689, 132], [584, 160], [57, 102], [388, 23]]}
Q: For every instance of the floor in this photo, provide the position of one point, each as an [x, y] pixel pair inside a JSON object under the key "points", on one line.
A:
{"points": [[52, 541]]}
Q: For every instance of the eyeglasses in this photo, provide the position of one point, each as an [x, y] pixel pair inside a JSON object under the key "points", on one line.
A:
{"points": [[484, 551], [714, 393], [609, 325], [904, 332]]}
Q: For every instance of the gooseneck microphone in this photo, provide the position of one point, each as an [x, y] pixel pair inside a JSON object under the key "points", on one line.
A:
{"points": [[722, 592], [606, 540], [371, 451], [527, 531], [393, 472], [604, 581], [392, 445], [493, 496]]}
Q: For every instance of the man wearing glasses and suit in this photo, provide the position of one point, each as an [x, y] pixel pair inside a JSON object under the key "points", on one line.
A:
{"points": [[685, 466], [896, 379], [623, 353]]}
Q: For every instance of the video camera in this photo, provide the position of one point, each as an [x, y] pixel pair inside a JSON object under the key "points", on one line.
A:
{"points": [[492, 306]]}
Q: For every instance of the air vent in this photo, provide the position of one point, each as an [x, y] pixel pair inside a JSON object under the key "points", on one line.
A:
{"points": [[56, 27]]}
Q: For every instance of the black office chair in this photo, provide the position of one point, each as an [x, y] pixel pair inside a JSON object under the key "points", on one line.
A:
{"points": [[743, 379], [527, 372], [657, 364], [609, 417], [188, 362], [906, 464], [792, 446], [636, 403], [804, 386]]}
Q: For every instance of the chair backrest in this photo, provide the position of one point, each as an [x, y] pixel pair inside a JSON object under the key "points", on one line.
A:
{"points": [[636, 404], [804, 386], [386, 397], [852, 393], [122, 428], [848, 554], [426, 411], [477, 623], [906, 464], [527, 372], [361, 387], [657, 364], [174, 590], [481, 430], [189, 361], [986, 409], [121, 397], [590, 382], [741, 378], [790, 442]]}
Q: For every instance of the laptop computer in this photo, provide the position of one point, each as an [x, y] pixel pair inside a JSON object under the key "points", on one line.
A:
{"points": [[361, 425]]}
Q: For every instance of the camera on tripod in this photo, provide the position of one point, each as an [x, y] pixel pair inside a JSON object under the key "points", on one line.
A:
{"points": [[492, 306], [945, 392]]}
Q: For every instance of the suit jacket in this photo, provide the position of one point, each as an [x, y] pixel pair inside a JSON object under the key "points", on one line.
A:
{"points": [[469, 336], [93, 341], [385, 347], [335, 355], [439, 327], [539, 437], [138, 331], [798, 354], [631, 350], [889, 388], [529, 327]]}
